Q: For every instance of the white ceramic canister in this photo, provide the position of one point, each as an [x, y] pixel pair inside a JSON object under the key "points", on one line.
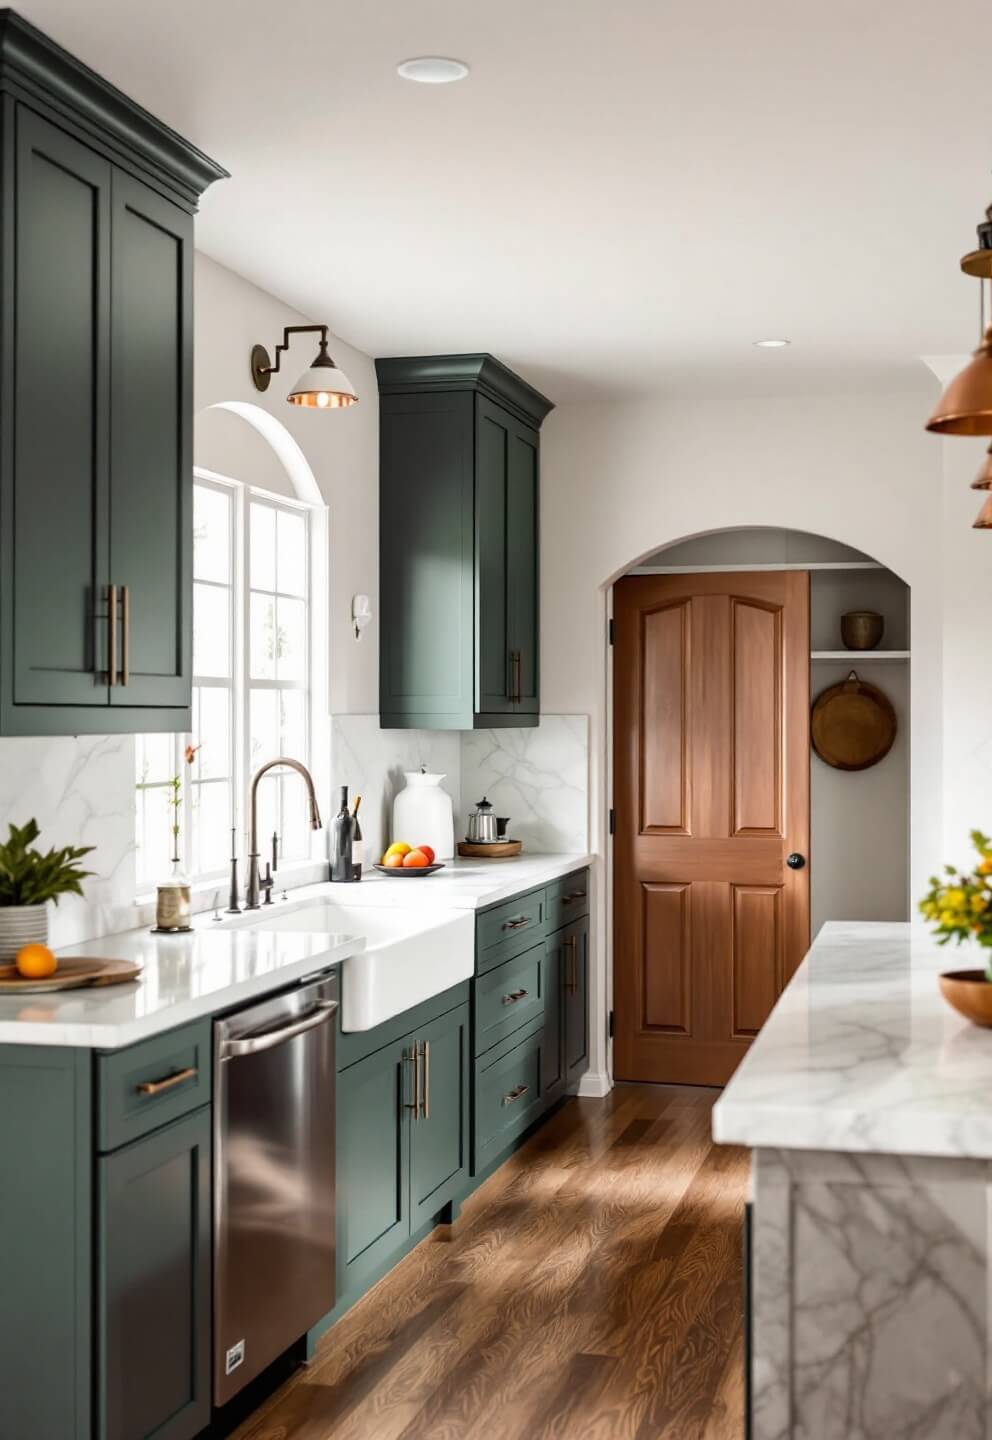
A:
{"points": [[422, 814]]}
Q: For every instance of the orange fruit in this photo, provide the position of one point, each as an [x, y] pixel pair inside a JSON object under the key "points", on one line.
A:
{"points": [[35, 962], [398, 847], [416, 860], [428, 851], [393, 862]]}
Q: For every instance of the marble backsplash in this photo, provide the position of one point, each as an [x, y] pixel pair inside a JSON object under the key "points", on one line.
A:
{"points": [[538, 777], [81, 792]]}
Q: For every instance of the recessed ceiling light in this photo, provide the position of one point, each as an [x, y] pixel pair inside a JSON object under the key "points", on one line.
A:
{"points": [[771, 344], [432, 70]]}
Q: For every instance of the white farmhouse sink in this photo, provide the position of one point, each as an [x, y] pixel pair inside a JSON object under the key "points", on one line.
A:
{"points": [[409, 955]]}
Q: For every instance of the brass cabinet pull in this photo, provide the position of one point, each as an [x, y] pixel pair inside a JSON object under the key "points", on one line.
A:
{"points": [[513, 997], [413, 1059], [126, 633], [515, 677], [516, 924], [111, 634], [575, 895], [426, 1057], [515, 1094], [155, 1087]]}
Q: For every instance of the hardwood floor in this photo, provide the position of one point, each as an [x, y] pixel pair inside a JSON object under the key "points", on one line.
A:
{"points": [[590, 1290]]}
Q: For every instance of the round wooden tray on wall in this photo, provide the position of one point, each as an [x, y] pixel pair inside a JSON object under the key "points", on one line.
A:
{"points": [[853, 725]]}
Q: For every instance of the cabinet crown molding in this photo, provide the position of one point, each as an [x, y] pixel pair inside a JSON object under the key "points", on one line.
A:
{"points": [[34, 68], [417, 374]]}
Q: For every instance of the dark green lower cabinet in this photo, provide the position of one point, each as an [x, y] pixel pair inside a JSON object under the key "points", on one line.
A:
{"points": [[575, 994], [402, 1143], [154, 1264], [553, 1052]]}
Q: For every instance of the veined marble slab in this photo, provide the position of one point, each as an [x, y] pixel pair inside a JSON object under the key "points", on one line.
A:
{"points": [[862, 1054]]}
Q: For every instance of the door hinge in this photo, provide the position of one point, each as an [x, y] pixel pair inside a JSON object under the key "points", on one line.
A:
{"points": [[613, 822], [611, 632], [609, 1027]]}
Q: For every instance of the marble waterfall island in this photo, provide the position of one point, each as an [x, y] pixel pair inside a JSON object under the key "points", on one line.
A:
{"points": [[867, 1104]]}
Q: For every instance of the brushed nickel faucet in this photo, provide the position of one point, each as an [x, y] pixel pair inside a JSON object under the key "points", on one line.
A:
{"points": [[254, 884]]}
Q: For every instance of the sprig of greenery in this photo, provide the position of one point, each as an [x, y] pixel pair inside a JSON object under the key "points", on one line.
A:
{"points": [[960, 905], [29, 877]]}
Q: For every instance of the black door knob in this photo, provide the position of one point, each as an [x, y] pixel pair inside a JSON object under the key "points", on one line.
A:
{"points": [[795, 861]]}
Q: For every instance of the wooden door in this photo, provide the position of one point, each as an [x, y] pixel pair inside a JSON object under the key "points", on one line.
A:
{"points": [[55, 432], [439, 1131], [154, 1322], [151, 476], [711, 777]]}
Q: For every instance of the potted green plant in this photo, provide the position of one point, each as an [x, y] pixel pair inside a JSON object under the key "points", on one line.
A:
{"points": [[959, 905], [30, 878]]}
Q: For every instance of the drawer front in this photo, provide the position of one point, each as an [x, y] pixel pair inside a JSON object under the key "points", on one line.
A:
{"points": [[568, 900], [509, 930], [152, 1083], [508, 997], [507, 1098]]}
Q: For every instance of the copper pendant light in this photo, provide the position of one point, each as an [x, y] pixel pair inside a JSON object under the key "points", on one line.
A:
{"points": [[965, 408], [983, 480], [983, 521]]}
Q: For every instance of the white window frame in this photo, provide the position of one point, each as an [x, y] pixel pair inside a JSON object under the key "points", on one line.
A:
{"points": [[317, 757]]}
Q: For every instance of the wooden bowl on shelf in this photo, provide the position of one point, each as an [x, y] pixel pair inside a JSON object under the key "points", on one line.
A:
{"points": [[862, 629], [970, 994]]}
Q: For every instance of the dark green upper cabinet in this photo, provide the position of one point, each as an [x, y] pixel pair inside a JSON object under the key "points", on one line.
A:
{"points": [[459, 535], [96, 335]]}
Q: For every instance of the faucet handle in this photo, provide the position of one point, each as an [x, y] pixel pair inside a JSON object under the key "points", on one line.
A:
{"points": [[266, 884]]}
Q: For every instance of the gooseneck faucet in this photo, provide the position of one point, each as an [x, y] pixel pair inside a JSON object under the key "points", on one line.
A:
{"points": [[254, 887]]}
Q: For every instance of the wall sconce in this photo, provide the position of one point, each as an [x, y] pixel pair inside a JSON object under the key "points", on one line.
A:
{"points": [[322, 387], [361, 613]]}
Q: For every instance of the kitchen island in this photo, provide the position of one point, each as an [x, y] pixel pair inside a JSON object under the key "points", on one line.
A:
{"points": [[866, 1103]]}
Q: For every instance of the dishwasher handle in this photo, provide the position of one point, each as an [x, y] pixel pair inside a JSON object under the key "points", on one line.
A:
{"points": [[255, 1044]]}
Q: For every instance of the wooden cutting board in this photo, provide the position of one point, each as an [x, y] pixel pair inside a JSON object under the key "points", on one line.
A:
{"points": [[853, 724], [71, 975], [498, 850]]}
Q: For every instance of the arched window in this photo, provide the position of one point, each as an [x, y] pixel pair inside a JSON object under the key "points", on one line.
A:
{"points": [[259, 601]]}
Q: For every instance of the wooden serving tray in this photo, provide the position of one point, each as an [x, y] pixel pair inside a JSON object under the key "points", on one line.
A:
{"points": [[71, 975], [498, 850]]}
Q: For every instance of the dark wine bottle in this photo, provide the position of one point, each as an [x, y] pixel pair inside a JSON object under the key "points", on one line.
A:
{"points": [[342, 832], [357, 843]]}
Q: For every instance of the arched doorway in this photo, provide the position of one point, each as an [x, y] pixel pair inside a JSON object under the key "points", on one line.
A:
{"points": [[699, 953]]}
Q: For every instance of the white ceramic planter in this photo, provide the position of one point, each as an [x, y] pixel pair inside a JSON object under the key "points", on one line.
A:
{"points": [[422, 814], [22, 925]]}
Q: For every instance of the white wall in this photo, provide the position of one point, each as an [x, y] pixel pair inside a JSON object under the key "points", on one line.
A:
{"points": [[620, 481], [341, 446]]}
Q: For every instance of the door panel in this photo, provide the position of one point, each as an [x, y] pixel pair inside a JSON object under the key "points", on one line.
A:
{"points": [[711, 713], [522, 563], [373, 1196], [553, 1047], [151, 540], [56, 625], [439, 1133], [154, 1269], [491, 540], [575, 960]]}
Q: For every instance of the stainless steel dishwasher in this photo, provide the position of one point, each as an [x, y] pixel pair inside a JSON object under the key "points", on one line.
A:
{"points": [[274, 1212]]}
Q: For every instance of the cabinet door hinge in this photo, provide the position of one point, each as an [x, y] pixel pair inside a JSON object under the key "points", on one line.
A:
{"points": [[613, 822], [609, 1027], [611, 632]]}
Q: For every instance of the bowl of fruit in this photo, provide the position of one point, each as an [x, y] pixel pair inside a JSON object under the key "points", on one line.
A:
{"points": [[409, 861]]}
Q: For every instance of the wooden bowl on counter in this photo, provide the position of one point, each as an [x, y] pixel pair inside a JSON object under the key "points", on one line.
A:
{"points": [[969, 993]]}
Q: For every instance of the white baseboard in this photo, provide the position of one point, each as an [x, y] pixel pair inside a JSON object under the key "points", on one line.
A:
{"points": [[594, 1086]]}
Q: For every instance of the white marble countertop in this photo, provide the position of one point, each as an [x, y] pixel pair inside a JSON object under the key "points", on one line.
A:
{"points": [[183, 978], [223, 964], [462, 884], [862, 1054]]}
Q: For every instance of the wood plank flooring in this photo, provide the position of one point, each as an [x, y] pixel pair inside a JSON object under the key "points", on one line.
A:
{"points": [[590, 1290]]}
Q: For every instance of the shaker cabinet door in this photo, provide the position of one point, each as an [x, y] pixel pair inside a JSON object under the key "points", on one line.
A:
{"points": [[54, 424], [522, 567], [439, 1129], [151, 476], [153, 1256], [575, 977]]}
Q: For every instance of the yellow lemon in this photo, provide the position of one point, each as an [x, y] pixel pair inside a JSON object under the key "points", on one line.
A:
{"points": [[35, 962], [398, 848]]}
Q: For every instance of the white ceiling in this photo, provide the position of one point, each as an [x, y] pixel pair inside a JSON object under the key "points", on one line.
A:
{"points": [[623, 195]]}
